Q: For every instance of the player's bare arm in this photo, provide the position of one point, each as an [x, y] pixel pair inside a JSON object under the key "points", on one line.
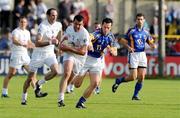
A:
{"points": [[125, 43], [80, 51], [41, 43], [17, 42]]}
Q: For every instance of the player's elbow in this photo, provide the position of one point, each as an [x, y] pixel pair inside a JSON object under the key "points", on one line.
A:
{"points": [[82, 52]]}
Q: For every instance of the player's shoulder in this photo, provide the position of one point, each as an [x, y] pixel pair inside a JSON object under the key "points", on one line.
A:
{"points": [[84, 31], [131, 30], [146, 31], [58, 24], [16, 30], [69, 29]]}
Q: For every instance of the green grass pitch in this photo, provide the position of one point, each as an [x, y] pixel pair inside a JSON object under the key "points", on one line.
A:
{"points": [[159, 99]]}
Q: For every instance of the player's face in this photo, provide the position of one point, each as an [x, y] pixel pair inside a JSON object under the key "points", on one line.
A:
{"points": [[23, 23], [77, 25], [53, 16], [140, 21], [106, 28]]}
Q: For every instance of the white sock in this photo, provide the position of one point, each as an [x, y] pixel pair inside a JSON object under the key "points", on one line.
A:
{"points": [[24, 97], [71, 87], [4, 91], [42, 81], [68, 88], [61, 97]]}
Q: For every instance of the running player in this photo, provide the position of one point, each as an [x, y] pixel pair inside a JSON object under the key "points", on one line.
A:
{"points": [[103, 39], [136, 38], [49, 34], [19, 54], [75, 53]]}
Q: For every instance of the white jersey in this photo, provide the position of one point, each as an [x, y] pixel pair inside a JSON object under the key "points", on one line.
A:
{"points": [[48, 31], [77, 39], [23, 36]]}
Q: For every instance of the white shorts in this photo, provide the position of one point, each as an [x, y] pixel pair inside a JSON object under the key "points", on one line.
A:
{"points": [[77, 63], [41, 58], [137, 60], [18, 60], [93, 64]]}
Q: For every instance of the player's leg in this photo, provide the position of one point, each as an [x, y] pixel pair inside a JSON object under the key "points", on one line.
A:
{"points": [[78, 80], [140, 74], [34, 80], [94, 82], [133, 65], [26, 85], [68, 67], [70, 84], [11, 73], [53, 64], [97, 89], [132, 76], [139, 84]]}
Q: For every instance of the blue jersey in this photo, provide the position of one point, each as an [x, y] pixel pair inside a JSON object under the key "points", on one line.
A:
{"points": [[137, 38], [101, 42]]}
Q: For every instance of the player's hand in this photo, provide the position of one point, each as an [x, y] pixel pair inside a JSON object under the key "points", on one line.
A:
{"points": [[54, 41], [130, 49], [90, 48]]}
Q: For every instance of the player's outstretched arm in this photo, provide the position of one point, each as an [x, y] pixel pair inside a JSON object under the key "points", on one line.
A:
{"points": [[125, 43]]}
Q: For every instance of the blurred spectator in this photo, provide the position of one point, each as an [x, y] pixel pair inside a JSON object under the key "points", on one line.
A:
{"points": [[87, 18], [31, 14], [5, 42], [40, 11], [18, 12], [5, 11], [97, 26], [154, 27], [65, 8], [78, 4], [172, 30], [109, 9]]}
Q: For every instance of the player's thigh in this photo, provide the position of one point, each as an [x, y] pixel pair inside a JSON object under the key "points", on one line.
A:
{"points": [[132, 74], [12, 71], [94, 78], [68, 67]]}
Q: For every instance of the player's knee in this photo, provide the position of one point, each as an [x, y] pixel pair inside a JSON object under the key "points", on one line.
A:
{"points": [[77, 84], [54, 72], [67, 75], [95, 84], [10, 75]]}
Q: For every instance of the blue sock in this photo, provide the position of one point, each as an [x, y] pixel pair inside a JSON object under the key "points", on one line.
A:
{"points": [[120, 80], [82, 100], [137, 89]]}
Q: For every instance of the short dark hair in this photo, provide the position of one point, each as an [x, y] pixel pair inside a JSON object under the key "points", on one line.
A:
{"points": [[22, 17], [107, 20], [140, 15], [49, 11], [79, 18]]}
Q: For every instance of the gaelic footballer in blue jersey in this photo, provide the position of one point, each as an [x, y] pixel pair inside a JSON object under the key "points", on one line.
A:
{"points": [[136, 38], [101, 39]]}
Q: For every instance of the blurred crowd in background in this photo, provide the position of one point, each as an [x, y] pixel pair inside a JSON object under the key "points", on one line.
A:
{"points": [[35, 11]]}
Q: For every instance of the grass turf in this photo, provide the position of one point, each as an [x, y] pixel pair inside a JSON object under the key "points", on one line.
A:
{"points": [[160, 99]]}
